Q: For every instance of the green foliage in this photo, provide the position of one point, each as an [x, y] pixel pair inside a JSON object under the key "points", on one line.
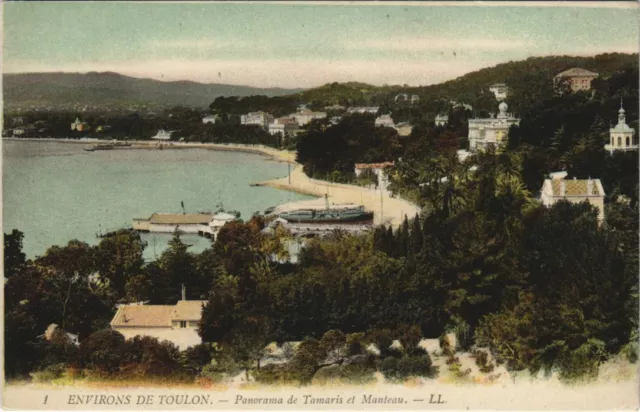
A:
{"points": [[104, 351], [399, 369]]}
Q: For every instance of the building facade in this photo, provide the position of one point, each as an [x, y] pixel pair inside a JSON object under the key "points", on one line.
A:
{"points": [[286, 126], [305, 117], [442, 120], [79, 126], [578, 79], [363, 109], [261, 119], [575, 191], [176, 323], [621, 137], [492, 131], [211, 119]]}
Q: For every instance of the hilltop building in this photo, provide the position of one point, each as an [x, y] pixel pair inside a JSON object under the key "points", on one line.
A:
{"points": [[261, 119], [415, 98], [401, 97], [483, 132], [621, 137], [176, 323], [577, 78], [500, 90], [442, 120], [574, 191]]}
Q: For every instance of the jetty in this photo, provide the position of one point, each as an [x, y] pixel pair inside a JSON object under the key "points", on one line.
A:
{"points": [[202, 223]]}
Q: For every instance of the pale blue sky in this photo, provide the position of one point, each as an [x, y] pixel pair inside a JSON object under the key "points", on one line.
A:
{"points": [[303, 45]]}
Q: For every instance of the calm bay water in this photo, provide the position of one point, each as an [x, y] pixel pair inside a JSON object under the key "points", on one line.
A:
{"points": [[55, 192]]}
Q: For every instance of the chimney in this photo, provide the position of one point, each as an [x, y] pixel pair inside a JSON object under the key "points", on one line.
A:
{"points": [[184, 293], [589, 187], [562, 188]]}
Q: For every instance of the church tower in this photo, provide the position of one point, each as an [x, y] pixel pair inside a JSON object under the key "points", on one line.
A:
{"points": [[621, 137]]}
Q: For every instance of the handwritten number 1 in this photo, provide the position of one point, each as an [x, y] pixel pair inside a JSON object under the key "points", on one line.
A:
{"points": [[45, 399]]}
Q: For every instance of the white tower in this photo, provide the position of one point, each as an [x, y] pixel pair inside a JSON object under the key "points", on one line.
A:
{"points": [[621, 137]]}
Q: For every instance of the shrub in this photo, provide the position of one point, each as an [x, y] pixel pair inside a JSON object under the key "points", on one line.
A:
{"points": [[49, 373], [150, 357], [396, 370], [445, 345], [272, 374], [327, 374], [103, 350], [359, 369], [582, 363], [355, 344], [464, 337]]}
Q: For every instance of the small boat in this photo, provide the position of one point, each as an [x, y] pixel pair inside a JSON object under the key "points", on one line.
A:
{"points": [[99, 147]]}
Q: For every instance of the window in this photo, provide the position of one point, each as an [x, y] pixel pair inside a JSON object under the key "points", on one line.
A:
{"points": [[619, 141], [627, 140], [183, 324]]}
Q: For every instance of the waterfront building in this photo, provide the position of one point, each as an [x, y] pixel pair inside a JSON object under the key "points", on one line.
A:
{"points": [[210, 119], [500, 90], [621, 137], [363, 109], [305, 117], [384, 120], [162, 135], [483, 132], [176, 323], [261, 119], [442, 120], [169, 222], [558, 188], [378, 170], [578, 79], [286, 126]]}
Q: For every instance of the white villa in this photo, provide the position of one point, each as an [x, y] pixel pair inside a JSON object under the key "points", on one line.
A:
{"points": [[577, 78], [483, 132], [304, 117], [261, 119], [442, 119], [210, 119], [575, 191], [286, 126], [176, 323], [621, 137], [403, 129], [378, 170], [500, 90]]}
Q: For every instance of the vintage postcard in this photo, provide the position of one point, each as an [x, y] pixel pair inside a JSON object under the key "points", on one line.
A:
{"points": [[320, 205]]}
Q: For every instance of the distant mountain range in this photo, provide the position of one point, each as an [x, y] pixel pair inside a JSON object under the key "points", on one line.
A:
{"points": [[116, 90]]}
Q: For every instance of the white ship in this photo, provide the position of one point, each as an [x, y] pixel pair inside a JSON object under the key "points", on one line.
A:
{"points": [[162, 135]]}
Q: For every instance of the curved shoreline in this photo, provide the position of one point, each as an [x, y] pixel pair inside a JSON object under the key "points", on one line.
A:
{"points": [[387, 210]]}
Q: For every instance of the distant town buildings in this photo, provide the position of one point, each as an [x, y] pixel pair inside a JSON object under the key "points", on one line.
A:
{"points": [[578, 79], [363, 109], [261, 119], [575, 191], [404, 97], [305, 117], [286, 126], [500, 90], [483, 132], [210, 119], [378, 170], [176, 323], [442, 120], [79, 126], [621, 137]]}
